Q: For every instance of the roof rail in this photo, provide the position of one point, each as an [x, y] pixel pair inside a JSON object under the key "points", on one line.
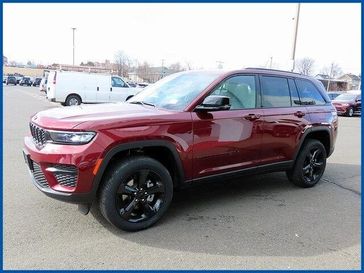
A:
{"points": [[269, 69]]}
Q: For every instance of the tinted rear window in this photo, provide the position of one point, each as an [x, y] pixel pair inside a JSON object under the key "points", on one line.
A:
{"points": [[275, 92], [309, 94]]}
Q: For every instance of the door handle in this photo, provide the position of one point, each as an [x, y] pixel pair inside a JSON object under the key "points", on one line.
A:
{"points": [[98, 88], [299, 114], [252, 117], [111, 89]]}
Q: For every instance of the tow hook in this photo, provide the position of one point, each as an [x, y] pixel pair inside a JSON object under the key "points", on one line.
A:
{"points": [[84, 208]]}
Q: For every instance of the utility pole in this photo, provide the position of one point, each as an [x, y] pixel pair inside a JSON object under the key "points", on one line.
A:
{"points": [[162, 69], [328, 82], [73, 35], [271, 62], [295, 36], [219, 64]]}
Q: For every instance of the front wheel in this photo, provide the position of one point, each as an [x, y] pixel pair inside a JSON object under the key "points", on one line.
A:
{"points": [[350, 112], [135, 193], [310, 164]]}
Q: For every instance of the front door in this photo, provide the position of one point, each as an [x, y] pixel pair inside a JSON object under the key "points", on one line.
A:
{"points": [[120, 90], [229, 140]]}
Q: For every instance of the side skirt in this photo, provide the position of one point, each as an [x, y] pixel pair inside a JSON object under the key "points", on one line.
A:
{"points": [[268, 168]]}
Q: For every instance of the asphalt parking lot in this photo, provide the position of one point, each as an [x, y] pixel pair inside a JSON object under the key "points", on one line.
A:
{"points": [[258, 222]]}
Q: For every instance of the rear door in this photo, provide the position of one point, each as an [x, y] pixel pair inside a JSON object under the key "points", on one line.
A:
{"points": [[285, 119], [229, 140], [316, 105]]}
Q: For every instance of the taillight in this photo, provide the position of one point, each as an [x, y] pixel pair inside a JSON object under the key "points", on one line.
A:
{"points": [[54, 78]]}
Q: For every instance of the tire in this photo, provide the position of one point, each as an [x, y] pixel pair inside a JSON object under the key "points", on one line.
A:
{"points": [[73, 100], [129, 97], [123, 197], [310, 164], [350, 112]]}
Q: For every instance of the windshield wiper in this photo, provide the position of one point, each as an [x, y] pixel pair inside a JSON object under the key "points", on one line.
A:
{"points": [[142, 103]]}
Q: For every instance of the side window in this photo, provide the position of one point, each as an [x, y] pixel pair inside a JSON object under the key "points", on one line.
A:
{"points": [[275, 92], [241, 91], [308, 93], [117, 82], [294, 94]]}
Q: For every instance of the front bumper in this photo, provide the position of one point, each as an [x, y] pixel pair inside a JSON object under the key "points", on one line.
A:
{"points": [[341, 110], [63, 172]]}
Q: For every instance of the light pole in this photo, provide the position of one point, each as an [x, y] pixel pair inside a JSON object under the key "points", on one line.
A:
{"points": [[73, 56], [295, 36], [162, 69], [220, 64]]}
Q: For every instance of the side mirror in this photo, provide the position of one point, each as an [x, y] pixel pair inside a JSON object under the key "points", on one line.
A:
{"points": [[214, 103]]}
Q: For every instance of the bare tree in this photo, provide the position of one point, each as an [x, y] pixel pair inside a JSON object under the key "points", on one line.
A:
{"points": [[189, 65], [176, 67], [122, 63], [144, 71], [305, 66], [333, 70]]}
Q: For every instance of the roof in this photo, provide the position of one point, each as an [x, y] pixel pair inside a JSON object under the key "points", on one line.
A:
{"points": [[322, 76], [351, 76]]}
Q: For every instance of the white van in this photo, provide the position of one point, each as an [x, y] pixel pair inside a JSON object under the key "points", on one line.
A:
{"points": [[74, 88]]}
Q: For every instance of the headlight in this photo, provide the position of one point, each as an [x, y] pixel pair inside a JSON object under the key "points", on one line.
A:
{"points": [[70, 137]]}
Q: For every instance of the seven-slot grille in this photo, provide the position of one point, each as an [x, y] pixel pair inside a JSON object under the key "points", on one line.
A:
{"points": [[39, 176], [39, 135]]}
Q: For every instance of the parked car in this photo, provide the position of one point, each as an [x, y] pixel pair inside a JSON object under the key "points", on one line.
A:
{"points": [[25, 81], [348, 103], [18, 79], [11, 80], [72, 88], [37, 81], [4, 78], [128, 157], [43, 84], [333, 94], [143, 84], [132, 84]]}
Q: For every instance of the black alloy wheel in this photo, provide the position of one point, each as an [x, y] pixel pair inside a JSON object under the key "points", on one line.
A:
{"points": [[310, 164], [140, 197], [135, 193], [313, 166]]}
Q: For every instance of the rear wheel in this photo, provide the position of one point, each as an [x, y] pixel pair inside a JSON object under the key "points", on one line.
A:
{"points": [[309, 166], [73, 100], [135, 193]]}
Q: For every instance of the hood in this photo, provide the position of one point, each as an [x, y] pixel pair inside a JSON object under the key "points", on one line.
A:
{"points": [[342, 101], [72, 116]]}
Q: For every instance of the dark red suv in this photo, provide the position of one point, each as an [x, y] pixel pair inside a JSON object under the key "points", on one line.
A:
{"points": [[128, 157]]}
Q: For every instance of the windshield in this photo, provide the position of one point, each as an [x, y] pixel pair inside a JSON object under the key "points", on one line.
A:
{"points": [[346, 97], [176, 91]]}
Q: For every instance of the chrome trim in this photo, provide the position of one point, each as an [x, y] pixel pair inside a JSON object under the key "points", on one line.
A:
{"points": [[57, 170]]}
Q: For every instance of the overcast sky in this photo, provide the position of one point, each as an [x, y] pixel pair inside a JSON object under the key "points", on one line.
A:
{"points": [[240, 35]]}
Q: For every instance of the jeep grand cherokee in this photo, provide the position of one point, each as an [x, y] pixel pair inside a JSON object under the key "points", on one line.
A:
{"points": [[128, 157]]}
